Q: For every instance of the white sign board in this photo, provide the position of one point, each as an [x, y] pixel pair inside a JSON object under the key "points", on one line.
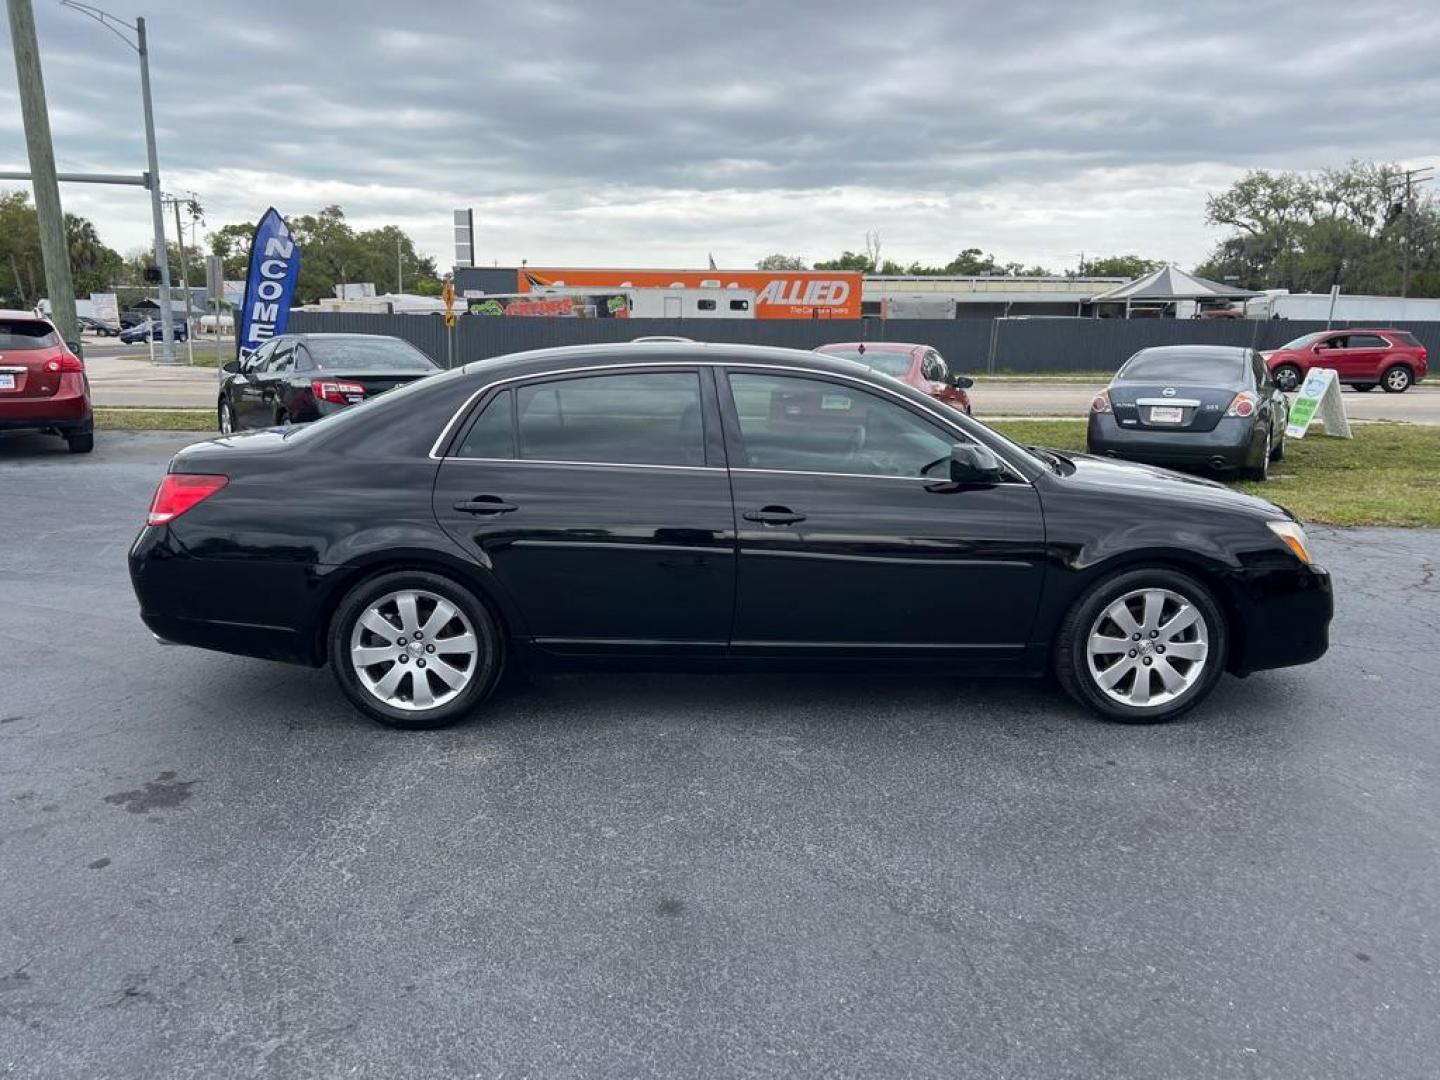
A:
{"points": [[1319, 397], [105, 306]]}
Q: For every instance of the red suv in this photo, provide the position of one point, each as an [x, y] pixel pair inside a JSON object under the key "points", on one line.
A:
{"points": [[919, 366], [42, 382], [1364, 359]]}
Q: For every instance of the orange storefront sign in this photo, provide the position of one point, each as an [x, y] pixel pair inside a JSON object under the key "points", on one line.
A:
{"points": [[779, 294]]}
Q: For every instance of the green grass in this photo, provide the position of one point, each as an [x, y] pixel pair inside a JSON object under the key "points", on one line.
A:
{"points": [[1386, 475], [155, 419]]}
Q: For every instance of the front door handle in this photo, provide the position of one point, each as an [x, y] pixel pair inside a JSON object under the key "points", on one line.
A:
{"points": [[485, 504], [774, 515]]}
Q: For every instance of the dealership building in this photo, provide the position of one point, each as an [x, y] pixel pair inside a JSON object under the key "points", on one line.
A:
{"points": [[882, 295]]}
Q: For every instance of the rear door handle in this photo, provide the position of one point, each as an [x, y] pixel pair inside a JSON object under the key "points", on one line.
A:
{"points": [[774, 515], [485, 504]]}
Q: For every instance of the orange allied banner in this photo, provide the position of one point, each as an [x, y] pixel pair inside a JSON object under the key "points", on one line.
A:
{"points": [[779, 294]]}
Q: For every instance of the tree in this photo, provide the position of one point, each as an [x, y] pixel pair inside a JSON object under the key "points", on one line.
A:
{"points": [[784, 262], [93, 265], [1122, 266], [849, 260], [1307, 232]]}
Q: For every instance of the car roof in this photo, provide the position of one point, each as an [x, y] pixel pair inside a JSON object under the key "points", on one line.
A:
{"points": [[1228, 351], [675, 352], [15, 313], [308, 336]]}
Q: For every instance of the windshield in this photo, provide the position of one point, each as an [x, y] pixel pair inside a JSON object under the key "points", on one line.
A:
{"points": [[1183, 365], [367, 354], [18, 335], [1301, 342], [886, 361]]}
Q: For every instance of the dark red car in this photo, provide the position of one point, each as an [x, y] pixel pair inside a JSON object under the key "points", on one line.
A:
{"points": [[1364, 359], [42, 382], [919, 366]]}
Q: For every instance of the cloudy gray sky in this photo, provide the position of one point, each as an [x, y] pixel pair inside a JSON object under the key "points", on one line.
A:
{"points": [[654, 133]]}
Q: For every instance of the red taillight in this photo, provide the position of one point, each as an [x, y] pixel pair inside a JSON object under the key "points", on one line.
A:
{"points": [[69, 363], [178, 492], [1101, 404], [1243, 404], [337, 393]]}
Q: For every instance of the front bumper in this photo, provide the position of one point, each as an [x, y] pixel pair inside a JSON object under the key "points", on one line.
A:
{"points": [[1283, 617], [1232, 444]]}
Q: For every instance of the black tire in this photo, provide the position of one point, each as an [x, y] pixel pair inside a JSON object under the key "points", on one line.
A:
{"points": [[1278, 453], [1363, 387], [1072, 666], [1261, 472], [281, 417], [220, 414], [1287, 377], [82, 443], [489, 660], [1396, 380]]}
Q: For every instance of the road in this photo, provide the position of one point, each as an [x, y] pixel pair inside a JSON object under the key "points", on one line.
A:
{"points": [[119, 379], [212, 868]]}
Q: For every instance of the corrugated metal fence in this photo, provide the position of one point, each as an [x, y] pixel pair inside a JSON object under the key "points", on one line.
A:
{"points": [[1021, 346]]}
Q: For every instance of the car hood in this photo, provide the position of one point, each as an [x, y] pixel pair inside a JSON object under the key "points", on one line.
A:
{"points": [[1130, 479]]}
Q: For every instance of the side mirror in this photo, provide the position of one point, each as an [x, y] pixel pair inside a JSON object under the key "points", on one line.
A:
{"points": [[961, 382], [73, 346], [971, 463], [231, 367]]}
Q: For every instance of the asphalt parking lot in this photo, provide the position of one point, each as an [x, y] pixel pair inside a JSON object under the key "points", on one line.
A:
{"points": [[211, 867]]}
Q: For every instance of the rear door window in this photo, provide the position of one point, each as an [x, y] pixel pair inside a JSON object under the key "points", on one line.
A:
{"points": [[1368, 341], [651, 418], [492, 435], [19, 335]]}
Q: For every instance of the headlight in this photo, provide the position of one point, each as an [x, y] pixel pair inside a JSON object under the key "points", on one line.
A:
{"points": [[1293, 537]]}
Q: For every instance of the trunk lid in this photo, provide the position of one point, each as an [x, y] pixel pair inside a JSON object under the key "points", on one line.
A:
{"points": [[1167, 407]]}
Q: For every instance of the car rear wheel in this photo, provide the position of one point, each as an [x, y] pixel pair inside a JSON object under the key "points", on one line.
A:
{"points": [[1262, 470], [1396, 380], [414, 650], [1143, 646], [227, 419], [80, 444], [1287, 377]]}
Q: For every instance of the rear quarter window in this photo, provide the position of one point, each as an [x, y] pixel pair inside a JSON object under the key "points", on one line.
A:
{"points": [[21, 334]]}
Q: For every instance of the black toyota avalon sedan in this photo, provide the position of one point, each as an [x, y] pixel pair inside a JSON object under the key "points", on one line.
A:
{"points": [[675, 505], [296, 378], [1200, 406]]}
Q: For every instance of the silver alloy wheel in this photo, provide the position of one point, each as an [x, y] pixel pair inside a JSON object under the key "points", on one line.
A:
{"points": [[1144, 637], [1287, 378], [413, 650], [1397, 378], [227, 419]]}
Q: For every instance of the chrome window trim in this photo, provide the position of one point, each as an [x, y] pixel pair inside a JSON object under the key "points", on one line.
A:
{"points": [[640, 365], [592, 464]]}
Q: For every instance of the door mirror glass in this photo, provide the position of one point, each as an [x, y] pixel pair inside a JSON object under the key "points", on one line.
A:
{"points": [[231, 367], [971, 463], [73, 346], [961, 382]]}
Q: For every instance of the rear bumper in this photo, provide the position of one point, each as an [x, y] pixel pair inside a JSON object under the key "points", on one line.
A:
{"points": [[68, 409], [1233, 444]]}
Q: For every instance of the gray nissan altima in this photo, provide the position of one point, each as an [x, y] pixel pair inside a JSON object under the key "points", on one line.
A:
{"points": [[1199, 406]]}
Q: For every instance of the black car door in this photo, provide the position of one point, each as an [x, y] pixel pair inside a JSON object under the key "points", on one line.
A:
{"points": [[270, 383], [600, 503], [245, 388], [852, 539]]}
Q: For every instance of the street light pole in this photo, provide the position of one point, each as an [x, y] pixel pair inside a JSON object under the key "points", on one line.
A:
{"points": [[53, 248], [162, 257], [152, 174]]}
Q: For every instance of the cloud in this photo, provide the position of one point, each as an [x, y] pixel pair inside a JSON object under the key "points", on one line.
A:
{"points": [[636, 133]]}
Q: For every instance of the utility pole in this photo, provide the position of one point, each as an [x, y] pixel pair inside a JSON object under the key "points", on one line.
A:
{"points": [[399, 269], [1412, 177], [53, 247], [175, 201]]}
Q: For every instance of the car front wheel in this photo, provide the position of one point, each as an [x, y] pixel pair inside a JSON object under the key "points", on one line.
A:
{"points": [[414, 650], [1142, 646], [227, 419], [1396, 380]]}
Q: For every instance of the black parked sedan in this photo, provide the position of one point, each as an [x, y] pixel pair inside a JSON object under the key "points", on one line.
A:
{"points": [[681, 505], [296, 378], [1203, 406]]}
